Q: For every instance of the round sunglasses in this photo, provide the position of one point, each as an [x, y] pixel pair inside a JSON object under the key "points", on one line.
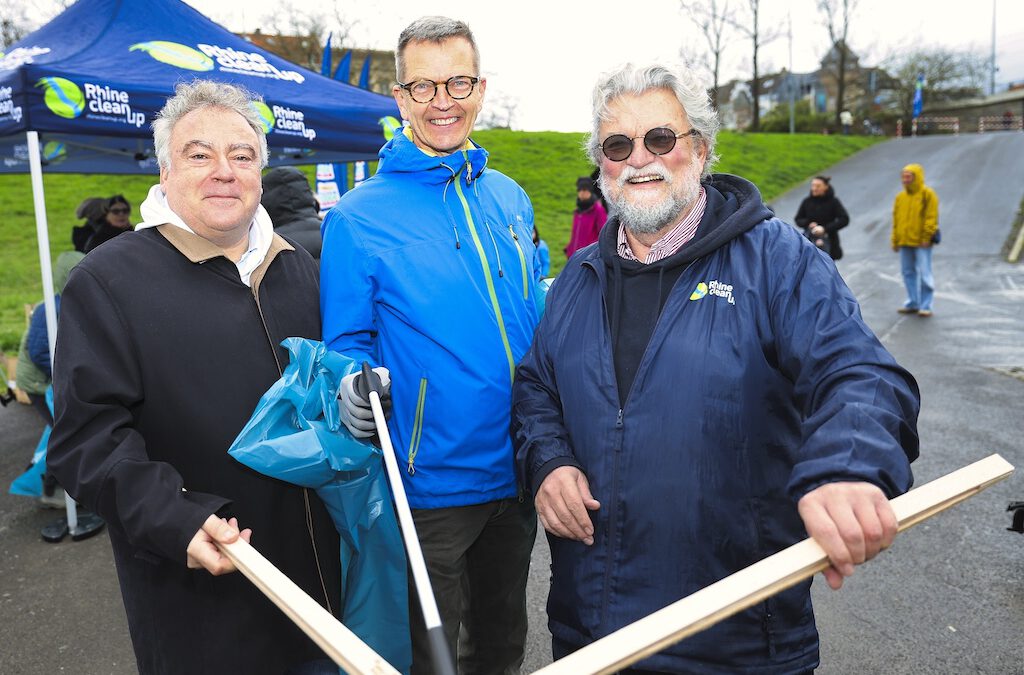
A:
{"points": [[659, 141]]}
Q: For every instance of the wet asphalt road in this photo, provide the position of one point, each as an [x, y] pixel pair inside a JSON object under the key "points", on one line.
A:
{"points": [[947, 598]]}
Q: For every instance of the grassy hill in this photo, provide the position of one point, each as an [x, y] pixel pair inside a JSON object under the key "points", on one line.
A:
{"points": [[546, 164]]}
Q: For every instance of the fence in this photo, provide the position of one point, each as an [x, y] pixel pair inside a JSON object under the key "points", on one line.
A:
{"points": [[1000, 123], [927, 124]]}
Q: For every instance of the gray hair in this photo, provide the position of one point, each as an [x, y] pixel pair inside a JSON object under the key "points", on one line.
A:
{"points": [[206, 94], [434, 29], [637, 79]]}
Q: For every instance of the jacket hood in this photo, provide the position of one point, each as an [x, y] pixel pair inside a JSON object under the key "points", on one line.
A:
{"points": [[734, 206], [287, 195], [62, 268], [402, 155], [918, 183]]}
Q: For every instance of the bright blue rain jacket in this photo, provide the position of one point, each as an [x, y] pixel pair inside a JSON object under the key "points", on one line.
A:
{"points": [[428, 268], [760, 382]]}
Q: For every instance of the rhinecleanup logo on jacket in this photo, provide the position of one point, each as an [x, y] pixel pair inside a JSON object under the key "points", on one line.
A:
{"points": [[716, 288]]}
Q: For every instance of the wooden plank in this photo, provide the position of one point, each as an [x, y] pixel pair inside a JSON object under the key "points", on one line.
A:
{"points": [[337, 641], [761, 580]]}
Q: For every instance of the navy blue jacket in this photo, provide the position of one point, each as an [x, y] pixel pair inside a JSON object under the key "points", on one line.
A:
{"points": [[38, 337], [760, 382]]}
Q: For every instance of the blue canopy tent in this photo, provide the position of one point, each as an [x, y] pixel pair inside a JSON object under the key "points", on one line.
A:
{"points": [[79, 95]]}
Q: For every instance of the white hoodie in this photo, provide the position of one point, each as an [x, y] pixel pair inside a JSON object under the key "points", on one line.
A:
{"points": [[155, 211]]}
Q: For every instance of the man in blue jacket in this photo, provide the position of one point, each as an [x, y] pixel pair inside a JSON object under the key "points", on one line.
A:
{"points": [[428, 270], [701, 393]]}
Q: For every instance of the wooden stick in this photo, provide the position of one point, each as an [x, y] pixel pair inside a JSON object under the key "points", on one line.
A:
{"points": [[761, 580], [337, 641]]}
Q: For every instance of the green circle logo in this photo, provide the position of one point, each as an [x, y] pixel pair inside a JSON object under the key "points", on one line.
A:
{"points": [[62, 97], [391, 126], [54, 152], [267, 119], [174, 54]]}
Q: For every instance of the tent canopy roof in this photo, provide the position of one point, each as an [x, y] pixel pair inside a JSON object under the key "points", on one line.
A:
{"points": [[94, 78]]}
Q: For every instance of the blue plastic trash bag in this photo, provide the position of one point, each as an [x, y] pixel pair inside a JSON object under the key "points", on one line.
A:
{"points": [[30, 483], [296, 435]]}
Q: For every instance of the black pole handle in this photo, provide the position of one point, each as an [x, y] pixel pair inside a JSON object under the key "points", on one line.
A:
{"points": [[368, 381]]}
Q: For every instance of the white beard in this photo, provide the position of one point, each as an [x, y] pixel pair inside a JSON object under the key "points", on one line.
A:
{"points": [[644, 217]]}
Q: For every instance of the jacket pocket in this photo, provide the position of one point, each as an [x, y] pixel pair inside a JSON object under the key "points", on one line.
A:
{"points": [[417, 427], [522, 262]]}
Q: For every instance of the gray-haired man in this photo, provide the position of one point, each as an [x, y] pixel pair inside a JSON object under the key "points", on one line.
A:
{"points": [[727, 396], [428, 270], [168, 337]]}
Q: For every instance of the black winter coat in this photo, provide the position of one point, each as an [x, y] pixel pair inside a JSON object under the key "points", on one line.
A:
{"points": [[162, 355], [289, 200], [828, 212]]}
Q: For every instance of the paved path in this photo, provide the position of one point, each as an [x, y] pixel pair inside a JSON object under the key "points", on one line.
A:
{"points": [[949, 596]]}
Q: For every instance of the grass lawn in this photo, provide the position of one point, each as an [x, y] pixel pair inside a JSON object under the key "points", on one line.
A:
{"points": [[546, 164]]}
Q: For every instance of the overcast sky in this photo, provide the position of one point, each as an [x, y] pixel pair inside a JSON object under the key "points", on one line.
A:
{"points": [[548, 53]]}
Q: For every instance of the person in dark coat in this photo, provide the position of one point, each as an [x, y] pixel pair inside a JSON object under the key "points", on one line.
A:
{"points": [[168, 337], [116, 220], [701, 393], [292, 206], [93, 210], [821, 215]]}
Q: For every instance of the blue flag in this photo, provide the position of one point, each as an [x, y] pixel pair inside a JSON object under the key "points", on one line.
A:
{"points": [[325, 63], [918, 95], [344, 66], [364, 76]]}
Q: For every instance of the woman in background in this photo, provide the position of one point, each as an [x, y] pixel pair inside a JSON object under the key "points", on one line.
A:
{"points": [[821, 215]]}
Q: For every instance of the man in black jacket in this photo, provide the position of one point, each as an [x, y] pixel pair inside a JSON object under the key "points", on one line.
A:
{"points": [[289, 200], [168, 337]]}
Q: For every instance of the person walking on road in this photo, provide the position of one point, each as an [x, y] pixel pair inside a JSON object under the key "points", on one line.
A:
{"points": [[915, 222], [429, 271], [701, 393], [821, 215]]}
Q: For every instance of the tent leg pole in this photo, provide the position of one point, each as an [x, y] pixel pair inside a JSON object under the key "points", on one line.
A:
{"points": [[43, 239]]}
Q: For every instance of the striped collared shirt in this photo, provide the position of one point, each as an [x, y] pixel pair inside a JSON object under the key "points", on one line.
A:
{"points": [[673, 240]]}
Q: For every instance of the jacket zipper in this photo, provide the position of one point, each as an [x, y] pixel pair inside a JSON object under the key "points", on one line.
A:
{"points": [[522, 262], [417, 426], [305, 491], [612, 518], [488, 278]]}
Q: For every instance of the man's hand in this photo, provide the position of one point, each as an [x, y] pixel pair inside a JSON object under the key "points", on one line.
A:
{"points": [[926, 244], [562, 503], [203, 553], [852, 521], [355, 410]]}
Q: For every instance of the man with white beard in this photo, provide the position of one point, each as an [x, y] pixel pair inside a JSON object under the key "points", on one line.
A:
{"points": [[701, 393]]}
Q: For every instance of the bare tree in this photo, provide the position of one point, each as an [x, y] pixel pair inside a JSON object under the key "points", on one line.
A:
{"points": [[759, 37], [837, 21], [304, 32], [712, 17], [949, 75], [499, 112], [18, 18]]}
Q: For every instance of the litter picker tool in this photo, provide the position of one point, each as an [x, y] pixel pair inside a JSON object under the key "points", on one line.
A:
{"points": [[763, 579], [369, 387]]}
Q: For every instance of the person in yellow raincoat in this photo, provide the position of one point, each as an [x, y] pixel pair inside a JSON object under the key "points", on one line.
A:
{"points": [[915, 222]]}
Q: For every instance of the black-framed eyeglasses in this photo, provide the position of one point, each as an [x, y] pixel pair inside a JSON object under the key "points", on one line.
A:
{"points": [[424, 91], [659, 141]]}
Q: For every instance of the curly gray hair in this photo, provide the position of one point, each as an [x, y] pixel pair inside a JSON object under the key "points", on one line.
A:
{"points": [[206, 94], [635, 79]]}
